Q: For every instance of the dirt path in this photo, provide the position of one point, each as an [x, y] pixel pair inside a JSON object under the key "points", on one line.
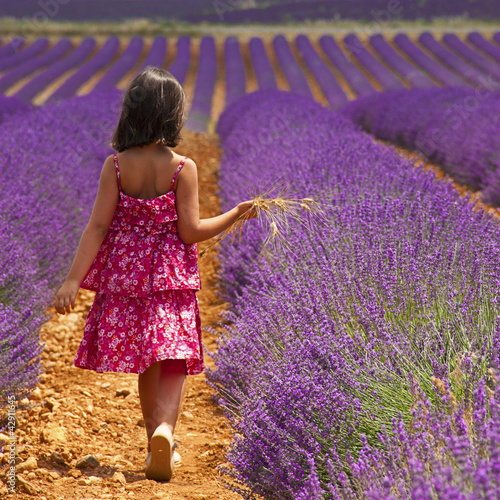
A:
{"points": [[78, 412]]}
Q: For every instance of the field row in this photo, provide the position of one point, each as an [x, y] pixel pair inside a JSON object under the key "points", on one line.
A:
{"points": [[331, 70]]}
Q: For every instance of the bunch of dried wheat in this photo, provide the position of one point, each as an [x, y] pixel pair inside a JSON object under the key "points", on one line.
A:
{"points": [[278, 210]]}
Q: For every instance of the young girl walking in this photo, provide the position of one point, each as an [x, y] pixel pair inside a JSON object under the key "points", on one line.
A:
{"points": [[138, 253]]}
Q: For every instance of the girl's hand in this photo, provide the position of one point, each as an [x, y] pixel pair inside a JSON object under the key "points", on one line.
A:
{"points": [[66, 296], [244, 206]]}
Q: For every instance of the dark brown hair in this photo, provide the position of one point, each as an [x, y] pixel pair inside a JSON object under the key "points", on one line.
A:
{"points": [[152, 111]]}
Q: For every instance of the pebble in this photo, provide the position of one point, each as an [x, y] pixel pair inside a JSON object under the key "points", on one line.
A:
{"points": [[188, 415], [25, 486], [52, 404], [36, 395], [56, 458], [28, 465], [89, 461], [124, 391], [54, 475], [53, 433], [105, 385], [31, 475], [72, 318], [119, 477], [86, 393]]}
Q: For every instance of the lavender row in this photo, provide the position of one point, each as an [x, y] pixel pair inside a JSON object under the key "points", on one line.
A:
{"points": [[376, 302], [201, 106], [46, 194], [321, 72], [103, 57], [264, 71], [357, 50], [127, 60], [156, 55], [34, 49], [490, 69], [54, 71], [60, 49], [235, 70], [456, 128], [354, 77], [432, 67], [481, 43], [12, 47], [290, 67], [457, 64], [413, 75], [180, 66]]}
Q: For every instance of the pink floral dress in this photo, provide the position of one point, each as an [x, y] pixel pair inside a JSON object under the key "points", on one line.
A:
{"points": [[145, 278]]}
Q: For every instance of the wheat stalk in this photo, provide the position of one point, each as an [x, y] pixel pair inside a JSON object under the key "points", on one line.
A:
{"points": [[278, 210]]}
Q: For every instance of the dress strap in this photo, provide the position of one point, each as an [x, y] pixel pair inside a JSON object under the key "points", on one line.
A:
{"points": [[117, 171], [181, 164]]}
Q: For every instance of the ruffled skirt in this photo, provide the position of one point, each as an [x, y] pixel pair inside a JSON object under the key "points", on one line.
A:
{"points": [[128, 334]]}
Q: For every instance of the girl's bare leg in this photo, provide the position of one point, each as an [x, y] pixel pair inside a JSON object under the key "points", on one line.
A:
{"points": [[148, 394], [171, 388], [161, 390]]}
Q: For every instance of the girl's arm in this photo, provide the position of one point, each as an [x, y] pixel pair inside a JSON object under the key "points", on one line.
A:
{"points": [[92, 237], [191, 228]]}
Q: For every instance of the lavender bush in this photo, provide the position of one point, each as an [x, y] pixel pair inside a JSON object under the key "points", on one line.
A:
{"points": [[393, 288], [46, 192], [454, 127]]}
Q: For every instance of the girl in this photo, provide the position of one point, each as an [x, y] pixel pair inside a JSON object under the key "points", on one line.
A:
{"points": [[138, 253]]}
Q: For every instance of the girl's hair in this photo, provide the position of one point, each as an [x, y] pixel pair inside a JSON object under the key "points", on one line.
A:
{"points": [[152, 111]]}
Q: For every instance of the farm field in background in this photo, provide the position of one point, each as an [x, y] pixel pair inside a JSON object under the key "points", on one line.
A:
{"points": [[331, 69], [398, 329]]}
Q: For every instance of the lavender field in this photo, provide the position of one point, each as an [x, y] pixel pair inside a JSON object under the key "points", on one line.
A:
{"points": [[359, 354], [258, 11], [377, 316], [455, 127]]}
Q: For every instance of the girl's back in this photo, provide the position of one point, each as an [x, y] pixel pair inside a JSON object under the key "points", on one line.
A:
{"points": [[147, 172]]}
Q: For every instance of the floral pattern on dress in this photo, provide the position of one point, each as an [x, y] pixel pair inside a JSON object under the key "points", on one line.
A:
{"points": [[128, 334], [145, 278]]}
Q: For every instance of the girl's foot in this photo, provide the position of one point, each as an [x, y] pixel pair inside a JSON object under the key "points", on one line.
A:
{"points": [[161, 461], [176, 455]]}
